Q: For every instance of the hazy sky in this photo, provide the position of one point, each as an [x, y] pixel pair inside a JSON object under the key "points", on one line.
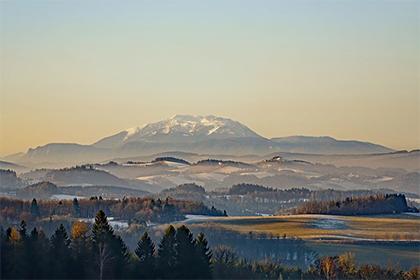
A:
{"points": [[75, 71]]}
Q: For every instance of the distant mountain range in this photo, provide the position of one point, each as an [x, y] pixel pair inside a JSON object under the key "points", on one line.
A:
{"points": [[197, 134]]}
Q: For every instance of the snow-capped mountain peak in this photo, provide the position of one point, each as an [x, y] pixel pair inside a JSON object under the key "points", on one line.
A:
{"points": [[192, 126], [181, 128]]}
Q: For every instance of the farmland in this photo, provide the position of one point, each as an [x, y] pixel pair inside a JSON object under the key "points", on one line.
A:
{"points": [[328, 227], [377, 239]]}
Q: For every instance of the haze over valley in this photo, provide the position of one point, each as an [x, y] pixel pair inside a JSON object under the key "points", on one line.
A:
{"points": [[188, 139]]}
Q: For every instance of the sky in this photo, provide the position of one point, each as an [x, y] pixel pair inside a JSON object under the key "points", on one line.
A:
{"points": [[76, 71]]}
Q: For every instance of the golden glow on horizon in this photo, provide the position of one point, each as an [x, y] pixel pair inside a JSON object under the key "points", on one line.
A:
{"points": [[71, 73]]}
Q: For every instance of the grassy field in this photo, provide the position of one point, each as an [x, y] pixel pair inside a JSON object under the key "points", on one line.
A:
{"points": [[315, 227], [371, 239]]}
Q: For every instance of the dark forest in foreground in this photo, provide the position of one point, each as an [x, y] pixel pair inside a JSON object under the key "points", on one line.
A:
{"points": [[100, 254]]}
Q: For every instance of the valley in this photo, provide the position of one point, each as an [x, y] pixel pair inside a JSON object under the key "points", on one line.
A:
{"points": [[372, 239], [290, 200]]}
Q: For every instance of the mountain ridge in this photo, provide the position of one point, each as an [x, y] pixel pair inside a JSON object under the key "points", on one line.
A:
{"points": [[198, 134], [178, 129]]}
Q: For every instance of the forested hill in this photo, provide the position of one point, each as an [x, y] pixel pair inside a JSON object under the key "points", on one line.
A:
{"points": [[367, 205], [138, 209]]}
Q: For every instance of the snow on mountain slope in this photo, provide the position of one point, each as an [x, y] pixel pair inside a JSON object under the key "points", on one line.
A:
{"points": [[189, 134], [180, 128]]}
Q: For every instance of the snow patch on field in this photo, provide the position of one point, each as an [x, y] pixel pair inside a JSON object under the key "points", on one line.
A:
{"points": [[381, 179], [66, 197], [228, 169], [416, 200], [209, 176], [114, 223], [329, 224], [259, 175]]}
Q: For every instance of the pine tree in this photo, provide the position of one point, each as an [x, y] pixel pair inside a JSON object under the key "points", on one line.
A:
{"points": [[110, 252], [186, 254], [35, 250], [121, 257], [145, 252], [20, 248], [7, 255], [60, 254], [34, 208], [81, 249], [102, 234], [22, 230], [167, 259], [204, 255], [76, 208]]}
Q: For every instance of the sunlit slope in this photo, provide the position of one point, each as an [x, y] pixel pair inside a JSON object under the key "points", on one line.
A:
{"points": [[324, 227]]}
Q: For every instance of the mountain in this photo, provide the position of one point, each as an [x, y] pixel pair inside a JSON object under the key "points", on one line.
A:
{"points": [[326, 145], [12, 166], [66, 152], [180, 129], [184, 133]]}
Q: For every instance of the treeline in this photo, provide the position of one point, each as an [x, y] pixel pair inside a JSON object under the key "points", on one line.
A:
{"points": [[251, 199], [133, 208], [244, 188], [101, 254], [9, 179], [223, 162], [367, 205], [300, 193]]}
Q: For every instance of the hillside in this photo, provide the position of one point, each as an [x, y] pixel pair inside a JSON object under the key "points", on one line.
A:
{"points": [[42, 190], [368, 205], [12, 166], [137, 209], [83, 175], [9, 179], [326, 145]]}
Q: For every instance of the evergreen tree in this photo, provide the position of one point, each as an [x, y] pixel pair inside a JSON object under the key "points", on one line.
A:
{"points": [[121, 257], [22, 230], [81, 249], [186, 254], [167, 254], [7, 254], [76, 208], [35, 250], [204, 255], [20, 247], [102, 234], [60, 254], [34, 208], [109, 251], [145, 252]]}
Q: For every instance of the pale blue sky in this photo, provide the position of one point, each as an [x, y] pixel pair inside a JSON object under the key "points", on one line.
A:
{"points": [[75, 71]]}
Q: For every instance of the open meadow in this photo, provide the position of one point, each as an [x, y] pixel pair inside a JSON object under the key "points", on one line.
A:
{"points": [[323, 227], [384, 240]]}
